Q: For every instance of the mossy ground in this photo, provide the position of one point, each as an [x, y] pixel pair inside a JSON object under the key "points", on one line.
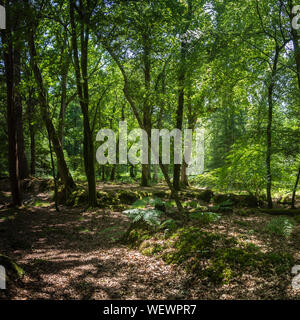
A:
{"points": [[78, 252], [221, 251]]}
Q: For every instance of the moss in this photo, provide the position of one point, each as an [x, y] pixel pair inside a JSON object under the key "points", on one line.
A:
{"points": [[160, 194], [127, 197], [205, 195], [12, 268], [150, 249], [297, 218], [137, 233], [77, 197], [237, 200], [218, 259]]}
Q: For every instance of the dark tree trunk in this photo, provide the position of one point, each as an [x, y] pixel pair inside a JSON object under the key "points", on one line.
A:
{"points": [[32, 150], [269, 128], [11, 119], [30, 110], [66, 59], [22, 160], [181, 87], [131, 171], [179, 113], [146, 174], [295, 190], [103, 172], [83, 95], [63, 168]]}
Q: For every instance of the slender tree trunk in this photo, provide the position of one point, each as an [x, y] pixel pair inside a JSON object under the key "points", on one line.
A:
{"points": [[63, 168], [295, 190], [66, 60], [269, 128], [181, 87], [53, 174], [103, 172], [32, 135], [179, 114], [11, 119], [146, 174], [83, 94], [295, 39], [22, 160]]}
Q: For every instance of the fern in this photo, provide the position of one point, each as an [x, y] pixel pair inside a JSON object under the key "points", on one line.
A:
{"points": [[280, 226], [142, 203], [151, 217]]}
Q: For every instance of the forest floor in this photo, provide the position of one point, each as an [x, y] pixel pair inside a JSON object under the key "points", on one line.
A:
{"points": [[75, 254]]}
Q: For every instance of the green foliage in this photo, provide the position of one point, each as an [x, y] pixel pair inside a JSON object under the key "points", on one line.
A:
{"points": [[224, 257], [168, 225], [224, 206], [151, 217], [205, 217], [147, 201], [280, 226], [297, 218], [244, 169]]}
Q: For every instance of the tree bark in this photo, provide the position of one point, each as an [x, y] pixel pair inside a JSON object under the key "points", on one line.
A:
{"points": [[181, 88], [63, 168], [146, 176], [22, 160], [269, 128], [295, 190], [83, 95], [11, 118], [179, 113], [32, 140]]}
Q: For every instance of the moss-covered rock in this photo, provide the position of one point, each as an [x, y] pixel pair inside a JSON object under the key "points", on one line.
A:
{"points": [[160, 194], [36, 185], [128, 197], [13, 270], [205, 195], [78, 197], [137, 233], [237, 200]]}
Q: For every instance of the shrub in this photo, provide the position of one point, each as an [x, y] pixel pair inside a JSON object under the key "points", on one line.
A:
{"points": [[280, 226], [151, 217], [297, 218], [205, 217], [147, 201]]}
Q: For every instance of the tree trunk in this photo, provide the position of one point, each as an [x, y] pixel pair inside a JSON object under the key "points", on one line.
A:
{"points": [[31, 133], [83, 95], [269, 128], [63, 168], [22, 160], [295, 190], [11, 119], [66, 60], [181, 87], [146, 175], [179, 113]]}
